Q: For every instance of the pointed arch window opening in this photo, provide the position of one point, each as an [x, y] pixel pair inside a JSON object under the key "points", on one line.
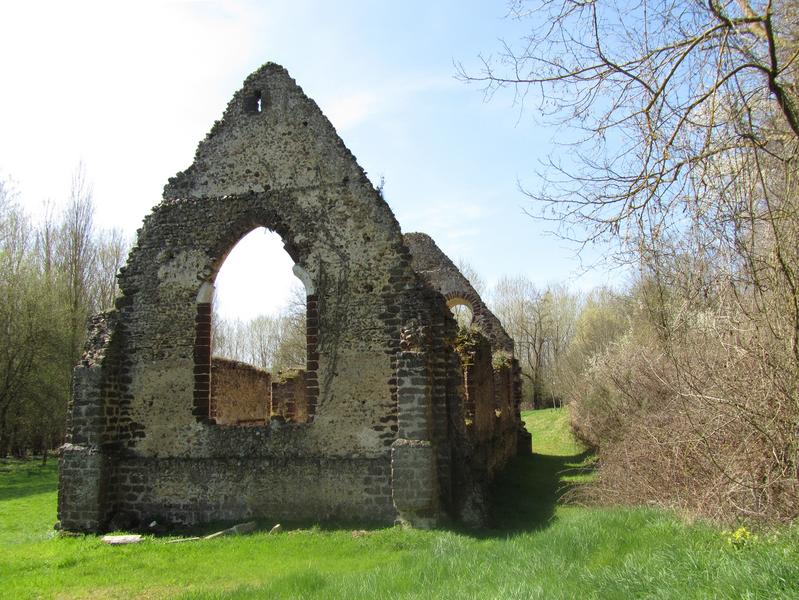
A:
{"points": [[267, 370]]}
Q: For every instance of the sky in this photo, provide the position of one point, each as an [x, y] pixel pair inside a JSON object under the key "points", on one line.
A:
{"points": [[130, 88]]}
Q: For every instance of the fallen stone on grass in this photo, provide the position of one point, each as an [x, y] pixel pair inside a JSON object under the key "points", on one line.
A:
{"points": [[118, 540]]}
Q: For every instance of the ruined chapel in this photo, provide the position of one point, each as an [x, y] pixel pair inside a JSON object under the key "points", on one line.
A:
{"points": [[397, 414]]}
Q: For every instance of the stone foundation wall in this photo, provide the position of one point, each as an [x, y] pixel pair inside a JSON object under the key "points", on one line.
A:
{"points": [[240, 393], [289, 488]]}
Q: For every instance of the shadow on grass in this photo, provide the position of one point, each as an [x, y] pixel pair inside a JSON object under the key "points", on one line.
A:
{"points": [[526, 493], [26, 477]]}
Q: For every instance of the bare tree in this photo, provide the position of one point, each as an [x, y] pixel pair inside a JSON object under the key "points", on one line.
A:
{"points": [[542, 324], [686, 127], [111, 251], [77, 255], [659, 89], [292, 347], [271, 342], [473, 276], [47, 238]]}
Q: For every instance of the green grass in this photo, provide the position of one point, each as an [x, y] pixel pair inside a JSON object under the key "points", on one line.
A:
{"points": [[537, 548]]}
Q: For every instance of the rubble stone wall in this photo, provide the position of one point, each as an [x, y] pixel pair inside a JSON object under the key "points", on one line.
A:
{"points": [[185, 491], [289, 399], [491, 393], [443, 276], [478, 375], [240, 394]]}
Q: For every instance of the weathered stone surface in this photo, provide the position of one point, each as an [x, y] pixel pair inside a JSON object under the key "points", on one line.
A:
{"points": [[290, 398], [413, 472], [373, 428]]}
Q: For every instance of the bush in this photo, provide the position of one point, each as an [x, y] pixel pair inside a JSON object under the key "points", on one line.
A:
{"points": [[703, 422]]}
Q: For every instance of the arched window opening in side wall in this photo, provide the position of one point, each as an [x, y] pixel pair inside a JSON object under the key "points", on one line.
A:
{"points": [[257, 332], [462, 312]]}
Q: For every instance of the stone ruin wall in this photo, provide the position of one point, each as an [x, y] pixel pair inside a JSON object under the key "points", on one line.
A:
{"points": [[289, 401], [440, 273], [379, 432], [513, 440], [489, 403], [240, 394], [492, 376]]}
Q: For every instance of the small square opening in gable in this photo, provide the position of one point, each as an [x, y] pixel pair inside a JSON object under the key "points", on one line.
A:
{"points": [[254, 102]]}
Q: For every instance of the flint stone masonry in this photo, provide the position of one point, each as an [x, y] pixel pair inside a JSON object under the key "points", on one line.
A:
{"points": [[372, 429], [441, 274]]}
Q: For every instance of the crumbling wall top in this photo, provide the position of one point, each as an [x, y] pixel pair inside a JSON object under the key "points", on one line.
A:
{"points": [[442, 275], [271, 137]]}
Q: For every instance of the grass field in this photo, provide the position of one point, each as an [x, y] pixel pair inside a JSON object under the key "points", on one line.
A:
{"points": [[537, 548]]}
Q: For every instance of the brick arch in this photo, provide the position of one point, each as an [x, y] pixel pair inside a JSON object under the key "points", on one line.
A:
{"points": [[259, 215], [455, 299], [441, 274], [459, 299]]}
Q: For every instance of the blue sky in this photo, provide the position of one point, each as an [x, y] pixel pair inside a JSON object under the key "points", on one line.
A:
{"points": [[131, 88]]}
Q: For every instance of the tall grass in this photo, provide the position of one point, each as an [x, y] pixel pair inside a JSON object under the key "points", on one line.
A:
{"points": [[537, 548]]}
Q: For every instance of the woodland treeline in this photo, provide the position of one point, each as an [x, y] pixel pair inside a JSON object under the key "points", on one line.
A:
{"points": [[684, 166], [274, 343], [53, 274]]}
